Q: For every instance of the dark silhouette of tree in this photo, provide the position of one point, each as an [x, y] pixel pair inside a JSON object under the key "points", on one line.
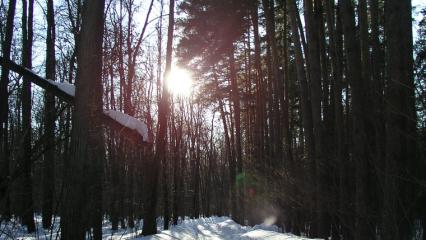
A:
{"points": [[27, 208], [153, 169], [4, 118], [49, 122], [84, 170]]}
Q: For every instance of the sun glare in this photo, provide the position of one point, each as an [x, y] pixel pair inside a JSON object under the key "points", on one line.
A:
{"points": [[179, 82]]}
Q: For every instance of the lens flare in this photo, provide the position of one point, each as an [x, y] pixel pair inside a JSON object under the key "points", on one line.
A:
{"points": [[270, 220], [179, 82]]}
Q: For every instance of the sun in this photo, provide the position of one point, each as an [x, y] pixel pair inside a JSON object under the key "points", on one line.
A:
{"points": [[179, 82]]}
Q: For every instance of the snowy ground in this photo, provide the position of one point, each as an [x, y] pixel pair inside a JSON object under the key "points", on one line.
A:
{"points": [[220, 228], [213, 228]]}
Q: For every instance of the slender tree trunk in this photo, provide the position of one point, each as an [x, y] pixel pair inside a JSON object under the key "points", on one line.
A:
{"points": [[177, 171], [369, 112], [336, 67], [228, 153], [314, 68], [27, 189], [305, 102], [286, 96], [130, 187], [150, 226], [359, 138], [4, 113], [237, 214], [260, 90], [276, 82], [49, 122], [377, 97]]}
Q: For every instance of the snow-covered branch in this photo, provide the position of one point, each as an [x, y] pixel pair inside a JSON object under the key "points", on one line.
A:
{"points": [[127, 125]]}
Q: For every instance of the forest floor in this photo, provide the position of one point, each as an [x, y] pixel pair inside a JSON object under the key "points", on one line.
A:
{"points": [[212, 228]]}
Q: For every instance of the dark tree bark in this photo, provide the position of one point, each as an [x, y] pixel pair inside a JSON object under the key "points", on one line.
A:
{"points": [[85, 167], [27, 189], [228, 151], [239, 210], [286, 96], [49, 122], [320, 227], [177, 171], [401, 159], [369, 113], [359, 138], [276, 82], [377, 99], [306, 112], [260, 89], [4, 113], [336, 69]]}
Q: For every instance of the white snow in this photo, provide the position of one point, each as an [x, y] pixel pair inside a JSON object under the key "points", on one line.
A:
{"points": [[129, 122], [68, 88], [212, 228], [122, 118], [215, 228]]}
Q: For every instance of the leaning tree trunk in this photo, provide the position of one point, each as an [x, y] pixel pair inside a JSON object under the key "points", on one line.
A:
{"points": [[85, 168]]}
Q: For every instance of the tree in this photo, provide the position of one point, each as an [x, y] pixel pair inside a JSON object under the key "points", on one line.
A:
{"points": [[420, 67], [401, 153], [4, 111], [314, 74], [359, 95], [49, 121], [84, 171], [306, 109], [202, 37], [26, 181], [420, 83], [150, 226]]}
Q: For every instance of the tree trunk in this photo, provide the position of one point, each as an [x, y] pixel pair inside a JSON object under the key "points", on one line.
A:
{"points": [[400, 122], [314, 69], [228, 153], [236, 214], [276, 82], [85, 168], [4, 113], [150, 226], [305, 102], [260, 92], [336, 67], [27, 189], [359, 138], [49, 122], [177, 171]]}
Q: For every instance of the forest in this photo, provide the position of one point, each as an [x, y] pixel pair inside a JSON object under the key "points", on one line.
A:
{"points": [[127, 115]]}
